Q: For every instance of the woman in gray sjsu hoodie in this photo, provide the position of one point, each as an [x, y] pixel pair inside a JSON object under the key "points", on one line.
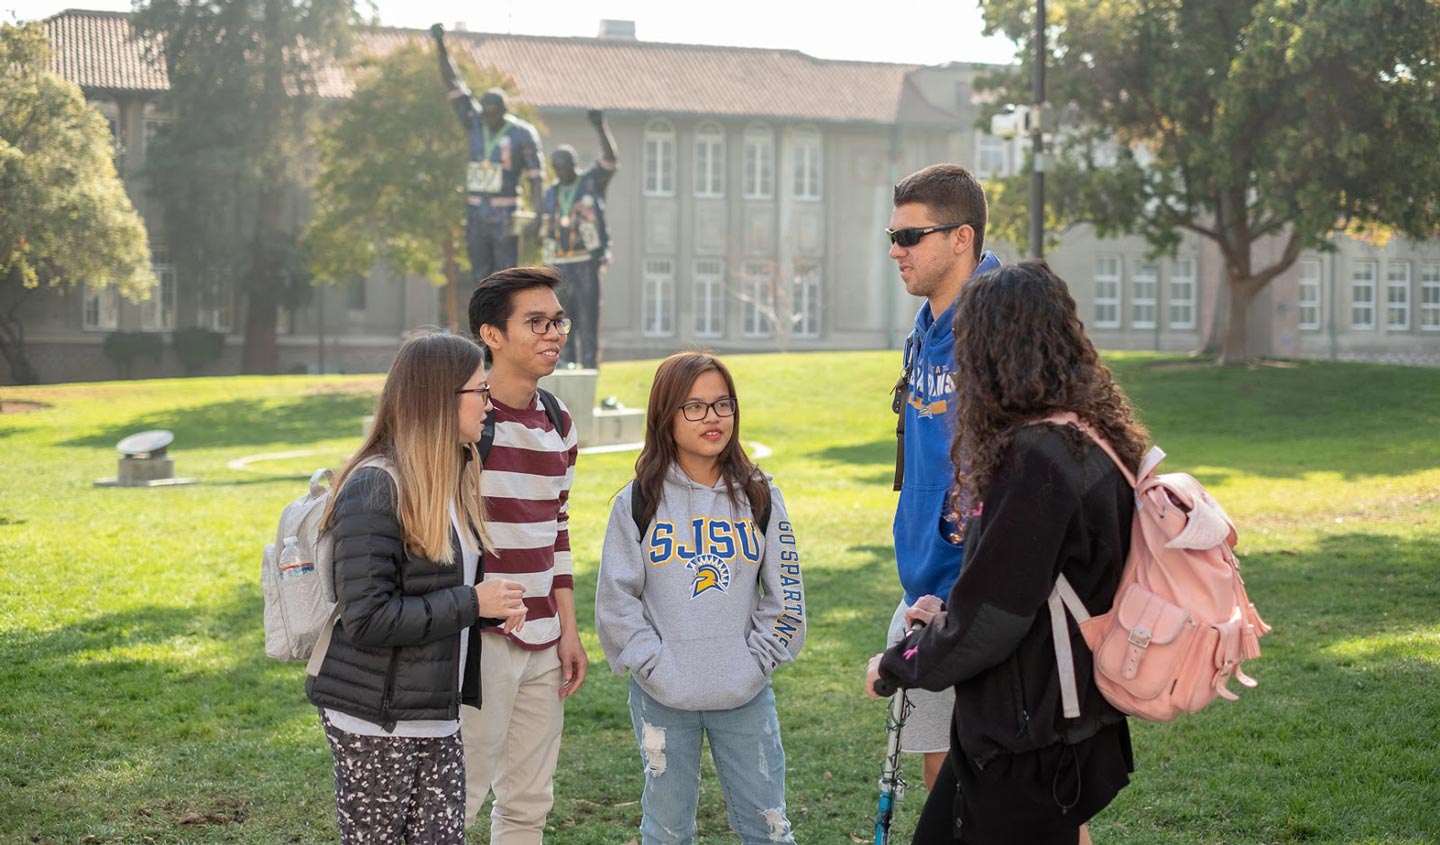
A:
{"points": [[700, 606]]}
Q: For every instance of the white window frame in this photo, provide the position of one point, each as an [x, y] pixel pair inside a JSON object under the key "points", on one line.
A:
{"points": [[1430, 297], [992, 155], [659, 159], [709, 161], [1397, 296], [157, 314], [709, 297], [758, 289], [1363, 278], [1107, 291], [806, 299], [1182, 293], [100, 311], [1309, 307], [658, 298], [1144, 295], [806, 158], [759, 163]]}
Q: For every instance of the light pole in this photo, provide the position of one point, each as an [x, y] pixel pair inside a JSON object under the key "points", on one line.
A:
{"points": [[1037, 140]]}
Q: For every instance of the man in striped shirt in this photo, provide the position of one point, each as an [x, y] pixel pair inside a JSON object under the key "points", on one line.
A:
{"points": [[513, 741]]}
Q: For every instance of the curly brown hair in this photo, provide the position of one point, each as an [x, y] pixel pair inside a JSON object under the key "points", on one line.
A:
{"points": [[1021, 354]]}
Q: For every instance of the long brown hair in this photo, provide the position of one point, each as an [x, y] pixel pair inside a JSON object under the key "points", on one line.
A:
{"points": [[1021, 354], [417, 429], [671, 387]]}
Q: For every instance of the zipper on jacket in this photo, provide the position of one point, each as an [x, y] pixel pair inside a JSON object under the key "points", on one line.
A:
{"points": [[385, 721], [1018, 688]]}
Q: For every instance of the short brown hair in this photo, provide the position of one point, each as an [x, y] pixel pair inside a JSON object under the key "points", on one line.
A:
{"points": [[492, 303], [952, 193]]}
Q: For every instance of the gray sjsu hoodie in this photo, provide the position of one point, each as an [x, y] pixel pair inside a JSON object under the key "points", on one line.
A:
{"points": [[705, 607]]}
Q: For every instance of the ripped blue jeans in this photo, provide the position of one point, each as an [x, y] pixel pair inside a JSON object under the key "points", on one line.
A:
{"points": [[745, 745]]}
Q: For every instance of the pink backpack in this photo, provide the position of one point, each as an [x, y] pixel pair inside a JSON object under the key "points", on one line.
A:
{"points": [[1181, 623]]}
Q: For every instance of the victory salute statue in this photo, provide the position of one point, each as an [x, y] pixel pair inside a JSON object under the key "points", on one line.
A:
{"points": [[504, 151], [576, 239]]}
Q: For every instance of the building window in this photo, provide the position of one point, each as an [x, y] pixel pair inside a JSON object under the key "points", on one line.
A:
{"points": [[1144, 287], [807, 299], [709, 298], [1362, 296], [659, 159], [1430, 297], [806, 150], [709, 161], [1397, 296], [1182, 293], [1309, 303], [992, 156], [758, 293], [157, 314], [759, 163], [102, 309], [658, 319], [1107, 292]]}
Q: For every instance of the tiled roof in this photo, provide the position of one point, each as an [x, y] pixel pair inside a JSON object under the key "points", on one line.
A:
{"points": [[98, 51]]}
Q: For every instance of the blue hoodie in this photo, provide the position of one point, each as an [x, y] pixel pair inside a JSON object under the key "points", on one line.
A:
{"points": [[928, 562]]}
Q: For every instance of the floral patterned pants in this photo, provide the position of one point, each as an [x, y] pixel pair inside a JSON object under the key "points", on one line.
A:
{"points": [[390, 790]]}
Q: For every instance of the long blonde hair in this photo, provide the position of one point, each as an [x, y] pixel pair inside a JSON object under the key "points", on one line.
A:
{"points": [[417, 430]]}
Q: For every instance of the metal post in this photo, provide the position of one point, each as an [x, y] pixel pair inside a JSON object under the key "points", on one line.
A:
{"points": [[1037, 140]]}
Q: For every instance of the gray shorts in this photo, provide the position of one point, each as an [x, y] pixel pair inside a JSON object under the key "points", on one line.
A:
{"points": [[927, 730]]}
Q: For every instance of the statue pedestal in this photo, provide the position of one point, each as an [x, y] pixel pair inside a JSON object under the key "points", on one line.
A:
{"points": [[594, 427]]}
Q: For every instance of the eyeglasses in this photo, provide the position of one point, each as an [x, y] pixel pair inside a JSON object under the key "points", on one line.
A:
{"points": [[697, 411], [483, 390], [911, 235], [541, 325]]}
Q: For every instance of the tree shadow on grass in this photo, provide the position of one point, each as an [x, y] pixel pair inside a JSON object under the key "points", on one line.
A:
{"points": [[101, 735], [247, 422]]}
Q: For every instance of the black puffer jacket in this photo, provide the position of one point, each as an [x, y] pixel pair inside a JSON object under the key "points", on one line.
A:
{"points": [[395, 651]]}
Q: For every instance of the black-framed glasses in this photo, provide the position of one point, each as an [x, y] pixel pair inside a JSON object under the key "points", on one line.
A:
{"points": [[483, 390], [696, 411], [911, 235], [541, 325]]}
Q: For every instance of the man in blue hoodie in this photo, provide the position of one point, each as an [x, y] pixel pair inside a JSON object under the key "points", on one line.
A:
{"points": [[937, 236]]}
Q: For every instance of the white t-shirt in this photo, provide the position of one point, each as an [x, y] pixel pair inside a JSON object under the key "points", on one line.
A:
{"points": [[421, 728]]}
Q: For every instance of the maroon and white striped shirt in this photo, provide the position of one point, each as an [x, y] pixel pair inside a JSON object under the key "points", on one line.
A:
{"points": [[526, 485]]}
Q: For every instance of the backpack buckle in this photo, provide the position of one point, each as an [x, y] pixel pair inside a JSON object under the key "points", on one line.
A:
{"points": [[1139, 637]]}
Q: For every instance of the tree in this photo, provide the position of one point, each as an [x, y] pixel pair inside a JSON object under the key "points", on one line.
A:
{"points": [[65, 218], [392, 174], [244, 78], [1240, 121]]}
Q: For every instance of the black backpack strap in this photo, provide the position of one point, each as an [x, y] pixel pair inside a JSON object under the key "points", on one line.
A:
{"points": [[487, 437], [897, 405], [637, 507], [552, 410]]}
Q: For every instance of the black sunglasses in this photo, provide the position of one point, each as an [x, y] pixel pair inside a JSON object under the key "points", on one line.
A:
{"points": [[911, 235]]}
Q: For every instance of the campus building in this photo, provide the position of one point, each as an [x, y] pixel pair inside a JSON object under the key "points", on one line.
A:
{"points": [[747, 215]]}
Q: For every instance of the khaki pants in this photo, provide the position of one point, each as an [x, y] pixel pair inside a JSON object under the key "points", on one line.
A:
{"points": [[513, 741]]}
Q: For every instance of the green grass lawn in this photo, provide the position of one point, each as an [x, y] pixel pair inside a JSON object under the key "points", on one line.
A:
{"points": [[136, 704]]}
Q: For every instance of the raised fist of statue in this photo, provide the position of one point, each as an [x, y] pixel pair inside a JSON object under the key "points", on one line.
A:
{"points": [[437, 31], [597, 117]]}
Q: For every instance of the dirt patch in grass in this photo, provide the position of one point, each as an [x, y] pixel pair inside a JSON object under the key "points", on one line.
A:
{"points": [[369, 385], [21, 406]]}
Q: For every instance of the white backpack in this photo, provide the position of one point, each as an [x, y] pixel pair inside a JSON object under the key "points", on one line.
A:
{"points": [[300, 608]]}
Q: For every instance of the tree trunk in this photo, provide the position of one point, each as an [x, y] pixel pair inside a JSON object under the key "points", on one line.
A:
{"points": [[12, 342], [452, 305], [1236, 350]]}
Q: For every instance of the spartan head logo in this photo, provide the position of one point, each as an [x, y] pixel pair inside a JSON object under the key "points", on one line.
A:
{"points": [[711, 573]]}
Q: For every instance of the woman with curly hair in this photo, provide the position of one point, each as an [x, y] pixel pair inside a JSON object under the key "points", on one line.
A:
{"points": [[1040, 499]]}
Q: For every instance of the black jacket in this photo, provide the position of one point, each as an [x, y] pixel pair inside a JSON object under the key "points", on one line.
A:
{"points": [[1056, 503], [395, 651]]}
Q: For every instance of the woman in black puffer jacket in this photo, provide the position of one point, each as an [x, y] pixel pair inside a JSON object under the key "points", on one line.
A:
{"points": [[408, 527]]}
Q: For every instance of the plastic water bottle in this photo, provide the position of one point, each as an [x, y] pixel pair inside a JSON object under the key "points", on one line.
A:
{"points": [[293, 564]]}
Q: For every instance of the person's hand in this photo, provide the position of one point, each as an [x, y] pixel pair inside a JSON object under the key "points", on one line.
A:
{"points": [[872, 674], [573, 662], [596, 116], [924, 609], [437, 31], [501, 599]]}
